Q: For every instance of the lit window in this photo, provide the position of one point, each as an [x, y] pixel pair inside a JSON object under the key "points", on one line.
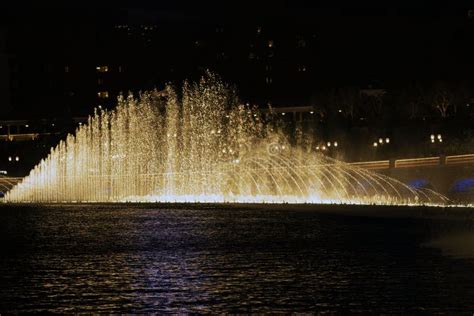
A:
{"points": [[103, 94], [102, 68]]}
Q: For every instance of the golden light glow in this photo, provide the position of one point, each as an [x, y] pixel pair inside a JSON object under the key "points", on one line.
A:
{"points": [[202, 147], [103, 94], [102, 68]]}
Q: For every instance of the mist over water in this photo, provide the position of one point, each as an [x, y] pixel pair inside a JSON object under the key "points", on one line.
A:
{"points": [[200, 144]]}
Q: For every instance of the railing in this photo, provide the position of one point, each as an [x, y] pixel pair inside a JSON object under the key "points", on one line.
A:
{"points": [[380, 164], [6, 183], [417, 162]]}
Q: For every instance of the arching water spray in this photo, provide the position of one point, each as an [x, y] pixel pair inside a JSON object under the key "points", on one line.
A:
{"points": [[201, 146]]}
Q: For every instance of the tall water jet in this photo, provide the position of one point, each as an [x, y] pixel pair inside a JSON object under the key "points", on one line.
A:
{"points": [[199, 145]]}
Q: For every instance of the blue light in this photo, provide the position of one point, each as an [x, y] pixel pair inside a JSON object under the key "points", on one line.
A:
{"points": [[463, 185]]}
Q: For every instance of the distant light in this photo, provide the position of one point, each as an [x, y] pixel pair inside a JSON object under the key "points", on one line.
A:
{"points": [[387, 140], [103, 94], [17, 158], [324, 147], [432, 136], [52, 124], [329, 144], [380, 140], [102, 68], [255, 115], [432, 140], [440, 140], [311, 112], [317, 147], [9, 158], [283, 113], [335, 144], [340, 111], [439, 136], [375, 144], [27, 125]]}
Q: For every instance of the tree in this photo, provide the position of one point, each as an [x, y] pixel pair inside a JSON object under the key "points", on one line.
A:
{"points": [[374, 100], [411, 101], [445, 97], [442, 98], [342, 101], [347, 100]]}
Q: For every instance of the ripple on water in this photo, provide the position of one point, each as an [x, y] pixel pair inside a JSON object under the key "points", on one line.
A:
{"points": [[113, 259]]}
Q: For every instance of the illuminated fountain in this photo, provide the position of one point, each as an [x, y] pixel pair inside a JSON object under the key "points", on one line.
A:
{"points": [[200, 147]]}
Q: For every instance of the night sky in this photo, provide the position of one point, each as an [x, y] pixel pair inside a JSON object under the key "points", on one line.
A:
{"points": [[371, 43]]}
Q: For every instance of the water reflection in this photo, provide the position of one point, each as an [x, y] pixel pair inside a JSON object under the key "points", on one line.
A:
{"points": [[140, 259], [458, 244]]}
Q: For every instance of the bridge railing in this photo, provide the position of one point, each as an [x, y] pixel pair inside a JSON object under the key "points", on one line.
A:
{"points": [[417, 162]]}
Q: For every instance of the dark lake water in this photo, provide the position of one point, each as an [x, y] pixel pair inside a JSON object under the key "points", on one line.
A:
{"points": [[148, 258]]}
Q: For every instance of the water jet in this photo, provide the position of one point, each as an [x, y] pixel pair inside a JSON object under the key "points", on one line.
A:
{"points": [[199, 146]]}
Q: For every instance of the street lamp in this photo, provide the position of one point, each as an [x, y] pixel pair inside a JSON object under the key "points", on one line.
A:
{"points": [[382, 141], [434, 138]]}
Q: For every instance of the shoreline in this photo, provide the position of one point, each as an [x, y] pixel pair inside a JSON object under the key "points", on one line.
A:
{"points": [[386, 211]]}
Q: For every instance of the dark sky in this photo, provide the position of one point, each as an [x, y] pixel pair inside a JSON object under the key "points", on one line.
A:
{"points": [[356, 41], [394, 34]]}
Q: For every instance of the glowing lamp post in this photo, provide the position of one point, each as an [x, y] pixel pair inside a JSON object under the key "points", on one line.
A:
{"points": [[436, 138]]}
